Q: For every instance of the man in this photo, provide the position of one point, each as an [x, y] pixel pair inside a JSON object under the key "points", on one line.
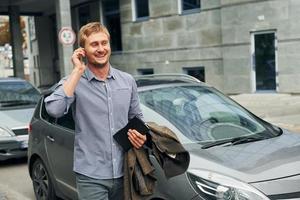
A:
{"points": [[103, 99]]}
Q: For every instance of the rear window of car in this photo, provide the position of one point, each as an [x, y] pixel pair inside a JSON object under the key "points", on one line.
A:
{"points": [[66, 121], [17, 93]]}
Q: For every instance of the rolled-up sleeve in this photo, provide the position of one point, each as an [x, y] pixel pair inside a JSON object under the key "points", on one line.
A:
{"points": [[58, 103]]}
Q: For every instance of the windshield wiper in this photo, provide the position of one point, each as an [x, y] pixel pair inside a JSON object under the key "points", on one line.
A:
{"points": [[234, 141]]}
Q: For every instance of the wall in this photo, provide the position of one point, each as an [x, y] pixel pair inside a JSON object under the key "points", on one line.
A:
{"points": [[239, 19], [167, 42]]}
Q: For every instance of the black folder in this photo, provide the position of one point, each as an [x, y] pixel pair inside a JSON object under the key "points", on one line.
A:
{"points": [[121, 136]]}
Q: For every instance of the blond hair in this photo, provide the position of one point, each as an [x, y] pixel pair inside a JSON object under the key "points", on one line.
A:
{"points": [[92, 27]]}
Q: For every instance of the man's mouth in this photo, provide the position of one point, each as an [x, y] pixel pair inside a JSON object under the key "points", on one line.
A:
{"points": [[100, 56]]}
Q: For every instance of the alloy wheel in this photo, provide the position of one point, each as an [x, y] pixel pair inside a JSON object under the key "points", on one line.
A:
{"points": [[40, 179]]}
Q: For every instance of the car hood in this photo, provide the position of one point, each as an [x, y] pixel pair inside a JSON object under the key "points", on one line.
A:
{"points": [[15, 118], [268, 159]]}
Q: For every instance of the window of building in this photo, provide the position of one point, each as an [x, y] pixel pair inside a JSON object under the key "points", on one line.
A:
{"points": [[112, 22], [145, 71], [140, 10], [189, 6], [197, 72], [84, 13]]}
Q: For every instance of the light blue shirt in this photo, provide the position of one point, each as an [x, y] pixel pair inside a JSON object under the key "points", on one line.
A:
{"points": [[101, 108]]}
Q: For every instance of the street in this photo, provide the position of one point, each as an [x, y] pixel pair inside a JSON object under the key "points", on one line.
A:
{"points": [[14, 180]]}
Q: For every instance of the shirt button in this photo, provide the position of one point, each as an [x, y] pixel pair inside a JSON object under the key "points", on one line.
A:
{"points": [[110, 113]]}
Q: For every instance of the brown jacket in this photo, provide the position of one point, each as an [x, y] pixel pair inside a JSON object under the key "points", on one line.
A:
{"points": [[139, 178]]}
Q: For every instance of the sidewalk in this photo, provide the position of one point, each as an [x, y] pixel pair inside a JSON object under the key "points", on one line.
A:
{"points": [[280, 109], [8, 194]]}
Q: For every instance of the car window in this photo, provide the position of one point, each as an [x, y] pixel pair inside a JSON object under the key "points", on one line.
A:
{"points": [[44, 113], [201, 113], [17, 93], [65, 121]]}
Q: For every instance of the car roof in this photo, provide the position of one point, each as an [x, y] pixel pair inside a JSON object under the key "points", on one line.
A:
{"points": [[12, 79], [163, 79], [154, 81]]}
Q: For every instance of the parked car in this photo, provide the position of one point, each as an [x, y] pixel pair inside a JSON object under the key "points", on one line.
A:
{"points": [[234, 154], [17, 101]]}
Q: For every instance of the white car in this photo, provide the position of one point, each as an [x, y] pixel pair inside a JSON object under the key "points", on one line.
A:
{"points": [[17, 101]]}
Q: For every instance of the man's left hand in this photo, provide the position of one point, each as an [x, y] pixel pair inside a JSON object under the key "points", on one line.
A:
{"points": [[137, 139]]}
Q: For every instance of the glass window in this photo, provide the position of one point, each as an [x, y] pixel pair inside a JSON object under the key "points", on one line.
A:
{"points": [[84, 15], [201, 114], [112, 22], [145, 71], [191, 5], [67, 120], [45, 114], [18, 93], [141, 9], [197, 72]]}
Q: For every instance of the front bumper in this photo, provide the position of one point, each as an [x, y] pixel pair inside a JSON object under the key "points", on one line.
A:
{"points": [[13, 147]]}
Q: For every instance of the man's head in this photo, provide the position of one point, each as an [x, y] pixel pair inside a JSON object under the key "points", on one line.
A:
{"points": [[94, 38], [90, 28]]}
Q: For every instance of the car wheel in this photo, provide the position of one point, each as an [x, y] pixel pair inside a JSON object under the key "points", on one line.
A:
{"points": [[42, 185]]}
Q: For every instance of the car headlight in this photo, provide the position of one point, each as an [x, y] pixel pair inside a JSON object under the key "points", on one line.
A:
{"points": [[217, 186], [4, 133]]}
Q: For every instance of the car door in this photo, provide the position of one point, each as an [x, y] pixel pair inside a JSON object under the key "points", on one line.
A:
{"points": [[59, 146]]}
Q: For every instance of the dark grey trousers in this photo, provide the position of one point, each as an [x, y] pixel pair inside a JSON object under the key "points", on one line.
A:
{"points": [[99, 189]]}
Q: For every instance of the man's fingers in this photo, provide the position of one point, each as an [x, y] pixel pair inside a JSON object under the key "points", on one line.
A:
{"points": [[138, 134], [136, 138], [134, 143], [80, 52]]}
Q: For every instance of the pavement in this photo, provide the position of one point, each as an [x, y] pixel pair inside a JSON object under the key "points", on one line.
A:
{"points": [[279, 109], [7, 193]]}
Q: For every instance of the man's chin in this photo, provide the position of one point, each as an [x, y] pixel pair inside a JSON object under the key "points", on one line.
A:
{"points": [[99, 65]]}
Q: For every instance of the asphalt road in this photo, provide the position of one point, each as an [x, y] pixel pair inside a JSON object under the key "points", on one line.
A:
{"points": [[15, 183]]}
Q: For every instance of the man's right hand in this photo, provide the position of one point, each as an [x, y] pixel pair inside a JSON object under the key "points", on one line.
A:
{"points": [[79, 67], [77, 61]]}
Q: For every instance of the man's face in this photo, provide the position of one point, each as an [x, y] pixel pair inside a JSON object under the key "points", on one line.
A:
{"points": [[97, 49]]}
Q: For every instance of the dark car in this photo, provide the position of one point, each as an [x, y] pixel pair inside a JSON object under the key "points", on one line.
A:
{"points": [[17, 101], [234, 154]]}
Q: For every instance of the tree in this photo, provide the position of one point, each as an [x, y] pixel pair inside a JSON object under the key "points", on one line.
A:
{"points": [[5, 33]]}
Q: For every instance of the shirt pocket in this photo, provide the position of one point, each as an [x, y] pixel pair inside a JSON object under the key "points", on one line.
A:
{"points": [[121, 99]]}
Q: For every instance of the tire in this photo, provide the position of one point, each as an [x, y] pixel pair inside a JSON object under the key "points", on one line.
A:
{"points": [[42, 184]]}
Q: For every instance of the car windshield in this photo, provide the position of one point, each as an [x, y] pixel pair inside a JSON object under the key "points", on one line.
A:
{"points": [[200, 114], [17, 94]]}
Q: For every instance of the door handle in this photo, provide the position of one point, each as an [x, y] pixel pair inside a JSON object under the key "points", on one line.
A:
{"points": [[50, 138]]}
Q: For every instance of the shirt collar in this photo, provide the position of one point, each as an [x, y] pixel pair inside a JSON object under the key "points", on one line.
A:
{"points": [[89, 75]]}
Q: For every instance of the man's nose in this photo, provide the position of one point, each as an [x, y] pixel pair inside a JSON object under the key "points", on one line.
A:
{"points": [[100, 48]]}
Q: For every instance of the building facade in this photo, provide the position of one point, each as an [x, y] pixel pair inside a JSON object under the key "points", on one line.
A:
{"points": [[238, 46]]}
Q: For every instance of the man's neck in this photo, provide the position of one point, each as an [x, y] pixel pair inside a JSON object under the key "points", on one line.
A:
{"points": [[100, 73]]}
